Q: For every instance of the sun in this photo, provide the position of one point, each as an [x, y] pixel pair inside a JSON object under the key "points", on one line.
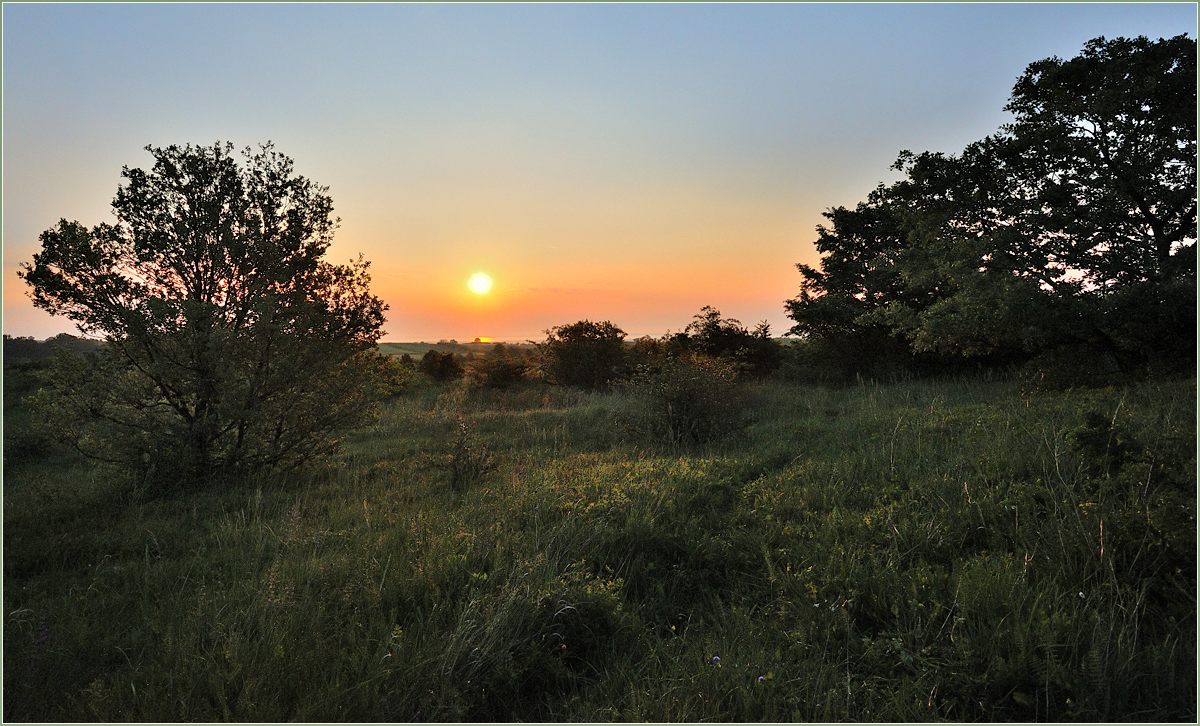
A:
{"points": [[480, 283]]}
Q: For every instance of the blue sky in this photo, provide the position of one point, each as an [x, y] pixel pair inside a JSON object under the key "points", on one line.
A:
{"points": [[628, 162]]}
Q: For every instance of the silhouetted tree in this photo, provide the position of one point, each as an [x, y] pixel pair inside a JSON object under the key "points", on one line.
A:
{"points": [[231, 344], [499, 367], [441, 366], [1075, 224], [753, 352], [583, 354]]}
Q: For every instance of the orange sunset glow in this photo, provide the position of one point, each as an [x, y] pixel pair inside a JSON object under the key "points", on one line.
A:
{"points": [[691, 169]]}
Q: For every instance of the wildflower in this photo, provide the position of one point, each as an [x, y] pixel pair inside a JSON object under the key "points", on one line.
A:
{"points": [[762, 679], [716, 660]]}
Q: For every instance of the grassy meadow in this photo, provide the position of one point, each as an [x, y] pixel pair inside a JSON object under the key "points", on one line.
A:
{"points": [[416, 350], [916, 551]]}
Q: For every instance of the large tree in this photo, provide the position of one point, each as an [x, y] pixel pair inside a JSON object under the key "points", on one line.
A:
{"points": [[1074, 224], [1102, 150], [232, 344]]}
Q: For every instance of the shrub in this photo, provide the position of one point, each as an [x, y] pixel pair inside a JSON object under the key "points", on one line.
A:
{"points": [[837, 362], [471, 461], [1071, 366], [751, 352], [500, 367], [584, 354], [397, 375], [441, 366], [685, 399]]}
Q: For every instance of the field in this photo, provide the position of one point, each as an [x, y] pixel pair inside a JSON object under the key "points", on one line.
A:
{"points": [[953, 550], [416, 350]]}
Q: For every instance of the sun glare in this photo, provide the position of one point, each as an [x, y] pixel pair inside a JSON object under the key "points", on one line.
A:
{"points": [[480, 283]]}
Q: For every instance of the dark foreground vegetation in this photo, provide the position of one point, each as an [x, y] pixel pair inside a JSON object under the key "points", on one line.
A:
{"points": [[962, 549]]}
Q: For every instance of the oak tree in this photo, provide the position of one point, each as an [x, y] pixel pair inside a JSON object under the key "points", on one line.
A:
{"points": [[232, 344]]}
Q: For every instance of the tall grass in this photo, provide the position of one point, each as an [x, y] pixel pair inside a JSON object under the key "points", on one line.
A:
{"points": [[954, 550]]}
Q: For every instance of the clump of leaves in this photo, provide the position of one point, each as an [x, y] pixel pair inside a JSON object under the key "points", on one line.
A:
{"points": [[500, 367], [471, 461], [441, 366], [1070, 366], [750, 352], [398, 375], [685, 400], [585, 353], [1104, 444]]}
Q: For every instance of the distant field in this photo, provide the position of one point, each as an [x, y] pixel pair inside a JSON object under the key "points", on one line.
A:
{"points": [[921, 551], [416, 350]]}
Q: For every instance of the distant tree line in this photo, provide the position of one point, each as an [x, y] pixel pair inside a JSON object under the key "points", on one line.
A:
{"points": [[22, 349], [596, 355], [1067, 237]]}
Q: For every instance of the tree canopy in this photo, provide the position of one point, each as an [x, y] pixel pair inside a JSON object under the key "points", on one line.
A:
{"points": [[1074, 224], [231, 342], [584, 353], [751, 352]]}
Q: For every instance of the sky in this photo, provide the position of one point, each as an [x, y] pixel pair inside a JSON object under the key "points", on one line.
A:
{"points": [[618, 162]]}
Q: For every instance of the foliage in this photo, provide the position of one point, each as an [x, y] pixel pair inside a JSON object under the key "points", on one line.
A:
{"points": [[751, 352], [499, 367], [1074, 224], [1112, 133], [1069, 366], [398, 375], [645, 351], [230, 344], [25, 348], [585, 354], [684, 400], [441, 366], [470, 460]]}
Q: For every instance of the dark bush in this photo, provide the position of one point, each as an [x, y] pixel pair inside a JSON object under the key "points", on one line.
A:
{"points": [[397, 376], [500, 367], [838, 362], [441, 366], [584, 354], [1071, 366], [645, 351], [684, 400], [752, 352]]}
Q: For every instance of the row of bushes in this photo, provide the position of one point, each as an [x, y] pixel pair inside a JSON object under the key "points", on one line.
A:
{"points": [[679, 399], [596, 355]]}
